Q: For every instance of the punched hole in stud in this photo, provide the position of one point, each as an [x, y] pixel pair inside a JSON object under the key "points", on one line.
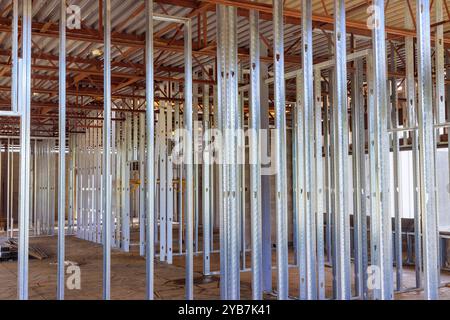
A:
{"points": [[253, 66], [277, 57]]}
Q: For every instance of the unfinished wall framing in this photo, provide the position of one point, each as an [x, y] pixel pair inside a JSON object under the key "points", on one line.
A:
{"points": [[254, 140]]}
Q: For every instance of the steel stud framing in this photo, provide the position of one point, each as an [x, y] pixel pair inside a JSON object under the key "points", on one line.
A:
{"points": [[426, 152], [280, 153], [332, 212]]}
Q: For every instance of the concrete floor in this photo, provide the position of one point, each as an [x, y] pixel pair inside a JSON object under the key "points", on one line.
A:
{"points": [[128, 275]]}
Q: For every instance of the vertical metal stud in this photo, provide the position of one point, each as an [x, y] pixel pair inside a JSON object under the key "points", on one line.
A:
{"points": [[280, 154], [381, 231], [142, 211], [359, 181], [179, 126], [206, 182], [439, 64], [300, 194], [265, 178], [62, 150], [25, 148], [162, 142], [412, 122], [14, 56], [254, 157], [99, 184], [396, 172], [426, 152], [308, 136], [319, 199], [169, 184], [106, 153], [149, 162], [221, 99], [72, 184], [439, 103], [340, 127], [189, 161], [196, 148], [231, 119], [8, 185], [126, 163]]}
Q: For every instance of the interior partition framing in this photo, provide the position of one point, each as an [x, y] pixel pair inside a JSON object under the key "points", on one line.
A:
{"points": [[330, 113]]}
